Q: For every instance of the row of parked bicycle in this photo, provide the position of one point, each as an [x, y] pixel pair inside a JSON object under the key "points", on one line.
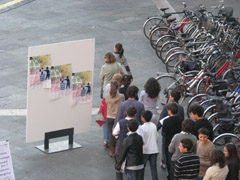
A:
{"points": [[201, 52]]}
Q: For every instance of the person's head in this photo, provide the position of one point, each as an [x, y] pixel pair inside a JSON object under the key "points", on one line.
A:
{"points": [[203, 134], [146, 116], [110, 58], [175, 95], [132, 125], [188, 126], [196, 111], [230, 152], [113, 88], [217, 156], [152, 87], [126, 80], [132, 92], [118, 78], [172, 108], [118, 48], [131, 111], [185, 145]]}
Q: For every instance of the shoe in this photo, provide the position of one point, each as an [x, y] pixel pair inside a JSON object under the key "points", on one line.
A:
{"points": [[111, 154], [163, 165], [106, 145]]}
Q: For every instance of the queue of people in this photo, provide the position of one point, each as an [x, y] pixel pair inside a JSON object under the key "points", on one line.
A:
{"points": [[133, 124]]}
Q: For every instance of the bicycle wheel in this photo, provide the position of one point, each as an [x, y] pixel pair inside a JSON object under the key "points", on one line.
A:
{"points": [[232, 76], [157, 33], [196, 100], [150, 24], [209, 111], [203, 86], [161, 52], [171, 51], [173, 59], [214, 118], [167, 83], [225, 138], [216, 131]]}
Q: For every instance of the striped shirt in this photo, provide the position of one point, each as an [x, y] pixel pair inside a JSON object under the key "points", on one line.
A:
{"points": [[187, 166]]}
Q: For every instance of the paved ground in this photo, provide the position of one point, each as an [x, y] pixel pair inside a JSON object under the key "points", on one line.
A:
{"points": [[49, 21]]}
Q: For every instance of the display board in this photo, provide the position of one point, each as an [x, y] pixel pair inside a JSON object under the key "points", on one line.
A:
{"points": [[59, 91], [6, 168]]}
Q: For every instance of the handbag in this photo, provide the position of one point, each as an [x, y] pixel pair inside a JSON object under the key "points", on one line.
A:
{"points": [[100, 119]]}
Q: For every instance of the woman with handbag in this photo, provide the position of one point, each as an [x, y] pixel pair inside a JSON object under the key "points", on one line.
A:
{"points": [[113, 100]]}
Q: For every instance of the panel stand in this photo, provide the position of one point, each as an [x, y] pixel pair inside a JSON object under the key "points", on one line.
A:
{"points": [[58, 146]]}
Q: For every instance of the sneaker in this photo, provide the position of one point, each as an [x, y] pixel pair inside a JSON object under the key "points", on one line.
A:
{"points": [[106, 145], [164, 166]]}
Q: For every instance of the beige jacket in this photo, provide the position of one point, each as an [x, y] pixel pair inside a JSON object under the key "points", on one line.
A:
{"points": [[108, 70], [113, 104]]}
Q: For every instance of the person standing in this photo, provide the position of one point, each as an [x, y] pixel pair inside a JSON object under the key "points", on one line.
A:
{"points": [[196, 112], [151, 99], [233, 161], [187, 165], [132, 152], [113, 100], [204, 149], [219, 169], [132, 93], [150, 148], [119, 54]]}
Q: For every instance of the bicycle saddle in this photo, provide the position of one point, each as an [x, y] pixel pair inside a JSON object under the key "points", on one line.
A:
{"points": [[171, 20], [164, 9]]}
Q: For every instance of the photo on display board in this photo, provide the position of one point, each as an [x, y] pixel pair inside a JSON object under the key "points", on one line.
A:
{"points": [[45, 71], [34, 72], [61, 80], [82, 87]]}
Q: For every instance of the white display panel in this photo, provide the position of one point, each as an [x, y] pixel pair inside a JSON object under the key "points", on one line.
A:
{"points": [[45, 114]]}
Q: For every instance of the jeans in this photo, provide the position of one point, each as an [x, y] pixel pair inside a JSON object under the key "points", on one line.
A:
{"points": [[163, 151], [153, 164], [105, 132], [135, 174]]}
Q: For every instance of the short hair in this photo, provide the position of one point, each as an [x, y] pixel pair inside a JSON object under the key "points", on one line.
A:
{"points": [[147, 115], [132, 124], [110, 58], [176, 95], [131, 111], [132, 91], [152, 88], [113, 88], [197, 109], [173, 107], [187, 143], [126, 80], [204, 131], [217, 156], [188, 126]]}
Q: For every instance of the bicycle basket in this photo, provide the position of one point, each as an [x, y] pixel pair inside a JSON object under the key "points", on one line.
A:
{"points": [[226, 126], [189, 66], [220, 88], [226, 12]]}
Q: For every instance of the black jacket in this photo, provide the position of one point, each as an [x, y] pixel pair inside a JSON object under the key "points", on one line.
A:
{"points": [[233, 167], [132, 151], [200, 123]]}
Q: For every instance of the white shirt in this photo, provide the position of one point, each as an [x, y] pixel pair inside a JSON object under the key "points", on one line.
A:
{"points": [[150, 137], [116, 130]]}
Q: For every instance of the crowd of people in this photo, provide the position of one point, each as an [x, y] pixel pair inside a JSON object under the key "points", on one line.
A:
{"points": [[133, 123]]}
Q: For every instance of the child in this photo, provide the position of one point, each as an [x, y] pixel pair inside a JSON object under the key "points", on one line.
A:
{"points": [[187, 166], [204, 149], [150, 148], [132, 151]]}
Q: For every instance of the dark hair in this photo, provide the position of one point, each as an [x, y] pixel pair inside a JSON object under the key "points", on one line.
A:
{"points": [[176, 95], [132, 124], [196, 109], [113, 88], [187, 143], [232, 153], [173, 107], [131, 111], [217, 156], [132, 91], [147, 115], [188, 126], [126, 80], [204, 131], [120, 49], [110, 58], [152, 87]]}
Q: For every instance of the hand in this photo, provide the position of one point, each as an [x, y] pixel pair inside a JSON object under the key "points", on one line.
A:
{"points": [[118, 171]]}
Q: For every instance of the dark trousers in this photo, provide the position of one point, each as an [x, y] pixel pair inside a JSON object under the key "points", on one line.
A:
{"points": [[172, 170], [152, 158], [168, 161], [135, 174], [110, 122], [119, 176]]}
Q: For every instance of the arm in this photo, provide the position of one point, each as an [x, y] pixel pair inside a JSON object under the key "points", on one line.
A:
{"points": [[116, 130], [164, 112], [122, 155], [125, 64], [171, 147], [141, 96], [119, 115], [208, 175], [177, 169], [102, 73]]}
